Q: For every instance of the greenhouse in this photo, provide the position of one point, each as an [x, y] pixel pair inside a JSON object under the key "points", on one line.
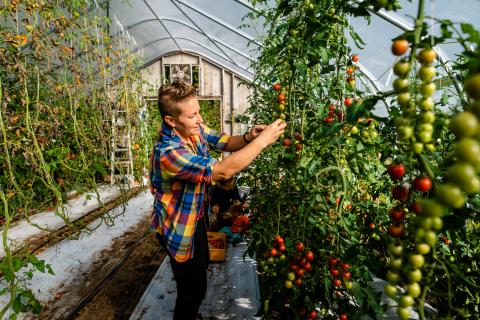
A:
{"points": [[236, 159]]}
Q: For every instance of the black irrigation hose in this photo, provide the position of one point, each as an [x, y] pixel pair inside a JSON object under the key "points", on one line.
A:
{"points": [[137, 287], [73, 312]]}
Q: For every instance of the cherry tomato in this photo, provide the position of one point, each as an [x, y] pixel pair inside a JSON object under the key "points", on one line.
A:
{"points": [[355, 58], [334, 272], [397, 214], [348, 101], [300, 247], [472, 86], [399, 47], [400, 193], [277, 86], [396, 171], [427, 56], [309, 256], [422, 184]]}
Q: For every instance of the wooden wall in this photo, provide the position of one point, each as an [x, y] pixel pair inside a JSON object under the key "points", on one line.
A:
{"points": [[215, 83]]}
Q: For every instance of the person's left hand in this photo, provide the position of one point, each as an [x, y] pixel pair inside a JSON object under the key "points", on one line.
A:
{"points": [[255, 131]]}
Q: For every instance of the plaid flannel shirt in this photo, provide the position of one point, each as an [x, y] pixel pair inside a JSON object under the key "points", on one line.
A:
{"points": [[180, 179]]}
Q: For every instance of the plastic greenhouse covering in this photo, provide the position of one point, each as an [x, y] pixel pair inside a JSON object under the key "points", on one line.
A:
{"points": [[214, 30]]}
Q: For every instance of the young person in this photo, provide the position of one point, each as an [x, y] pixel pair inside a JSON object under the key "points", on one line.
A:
{"points": [[181, 173]]}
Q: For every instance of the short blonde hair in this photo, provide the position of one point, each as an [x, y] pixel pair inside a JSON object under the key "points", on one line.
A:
{"points": [[172, 93]]}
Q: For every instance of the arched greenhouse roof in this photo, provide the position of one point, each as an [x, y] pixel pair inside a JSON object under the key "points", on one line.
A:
{"points": [[214, 30]]}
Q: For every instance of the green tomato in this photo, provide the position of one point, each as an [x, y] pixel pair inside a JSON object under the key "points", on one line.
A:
{"points": [[423, 248], [417, 147], [420, 234], [403, 98], [396, 263], [401, 68], [390, 290], [291, 276], [427, 127], [392, 277], [405, 132], [403, 313], [406, 301], [288, 284], [472, 86], [450, 195], [354, 130], [428, 89], [468, 150], [395, 249], [426, 73], [465, 124], [415, 275], [464, 175], [437, 223], [427, 117], [416, 260], [430, 238], [432, 208], [414, 289], [475, 108], [426, 104], [271, 260], [430, 146], [400, 85], [425, 136]]}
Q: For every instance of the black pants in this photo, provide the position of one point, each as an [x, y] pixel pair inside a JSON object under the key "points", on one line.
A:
{"points": [[191, 276]]}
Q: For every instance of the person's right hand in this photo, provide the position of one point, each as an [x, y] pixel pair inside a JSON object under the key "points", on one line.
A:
{"points": [[271, 132]]}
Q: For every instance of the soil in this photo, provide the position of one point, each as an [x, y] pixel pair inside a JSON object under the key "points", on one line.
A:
{"points": [[121, 293], [122, 290]]}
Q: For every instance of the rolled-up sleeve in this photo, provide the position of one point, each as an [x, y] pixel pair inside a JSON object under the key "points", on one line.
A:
{"points": [[179, 163], [215, 139]]}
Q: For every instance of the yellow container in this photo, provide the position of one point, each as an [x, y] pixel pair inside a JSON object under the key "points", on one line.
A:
{"points": [[217, 244]]}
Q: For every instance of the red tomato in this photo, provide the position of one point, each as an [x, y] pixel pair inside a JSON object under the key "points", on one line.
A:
{"points": [[309, 256], [416, 207], [355, 58], [313, 314], [400, 193], [300, 272], [343, 317], [331, 107], [279, 239], [334, 272], [298, 282], [345, 266], [277, 86], [399, 47], [371, 225], [397, 214], [282, 248], [422, 184], [328, 119], [346, 275], [350, 71], [298, 136], [300, 246], [337, 283], [307, 266], [298, 146], [287, 142], [396, 230], [281, 97], [348, 101], [332, 261], [273, 252], [396, 171]]}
